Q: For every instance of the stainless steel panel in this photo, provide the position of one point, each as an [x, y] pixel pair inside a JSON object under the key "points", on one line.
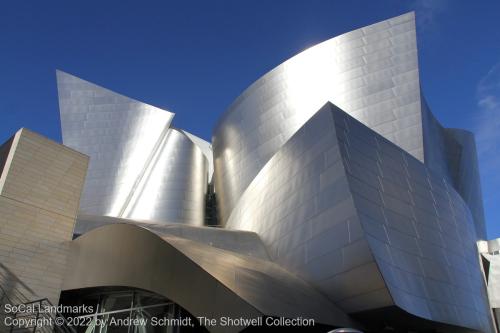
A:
{"points": [[452, 154], [205, 280], [357, 71], [372, 74], [310, 226], [174, 187], [139, 167], [429, 262], [419, 249], [247, 243], [334, 201]]}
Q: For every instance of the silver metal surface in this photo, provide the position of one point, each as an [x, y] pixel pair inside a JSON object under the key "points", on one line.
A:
{"points": [[205, 280], [206, 148], [139, 166], [451, 153], [174, 184], [420, 230], [374, 207], [371, 73], [247, 243], [301, 206], [367, 224]]}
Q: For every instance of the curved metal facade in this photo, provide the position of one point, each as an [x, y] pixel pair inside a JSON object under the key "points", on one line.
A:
{"points": [[373, 208], [230, 284], [420, 230], [452, 154], [367, 224], [247, 243], [466, 176], [173, 187], [371, 73], [139, 167], [301, 206]]}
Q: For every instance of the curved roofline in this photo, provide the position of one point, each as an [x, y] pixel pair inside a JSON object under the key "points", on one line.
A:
{"points": [[206, 281], [236, 100]]}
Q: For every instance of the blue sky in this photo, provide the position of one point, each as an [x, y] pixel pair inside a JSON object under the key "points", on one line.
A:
{"points": [[194, 57]]}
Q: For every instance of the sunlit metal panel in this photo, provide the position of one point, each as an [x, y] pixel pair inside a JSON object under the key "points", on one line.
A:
{"points": [[371, 73], [139, 166], [367, 224]]}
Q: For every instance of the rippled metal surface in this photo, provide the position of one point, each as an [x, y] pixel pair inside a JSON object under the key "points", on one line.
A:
{"points": [[139, 166], [247, 243], [350, 209], [301, 206], [367, 224], [205, 280], [371, 73], [173, 185], [420, 230], [451, 153]]}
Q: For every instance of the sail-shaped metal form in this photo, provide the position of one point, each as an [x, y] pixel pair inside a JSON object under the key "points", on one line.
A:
{"points": [[140, 167], [367, 224], [223, 282], [372, 74], [342, 196]]}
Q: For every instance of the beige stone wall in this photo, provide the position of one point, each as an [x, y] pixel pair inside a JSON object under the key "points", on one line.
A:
{"points": [[40, 189]]}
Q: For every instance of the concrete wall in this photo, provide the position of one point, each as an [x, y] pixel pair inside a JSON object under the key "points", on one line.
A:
{"points": [[40, 190]]}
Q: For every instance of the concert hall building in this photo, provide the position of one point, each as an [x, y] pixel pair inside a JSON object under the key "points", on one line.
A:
{"points": [[329, 197]]}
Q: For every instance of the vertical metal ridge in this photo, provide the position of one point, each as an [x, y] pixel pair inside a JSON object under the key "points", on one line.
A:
{"points": [[149, 164]]}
